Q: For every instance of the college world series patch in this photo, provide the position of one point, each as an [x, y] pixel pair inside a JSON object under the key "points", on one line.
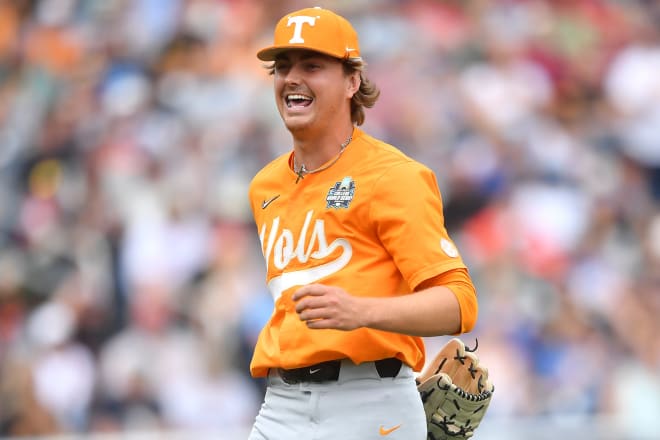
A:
{"points": [[341, 195]]}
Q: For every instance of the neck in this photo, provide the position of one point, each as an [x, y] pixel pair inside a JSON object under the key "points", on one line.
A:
{"points": [[301, 168], [314, 151]]}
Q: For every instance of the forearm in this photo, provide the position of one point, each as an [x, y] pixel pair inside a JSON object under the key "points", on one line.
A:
{"points": [[433, 311], [442, 305]]}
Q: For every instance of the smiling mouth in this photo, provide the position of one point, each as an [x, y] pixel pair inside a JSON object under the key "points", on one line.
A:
{"points": [[298, 100]]}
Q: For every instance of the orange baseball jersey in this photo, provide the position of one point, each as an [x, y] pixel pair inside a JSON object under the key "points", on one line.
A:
{"points": [[371, 223]]}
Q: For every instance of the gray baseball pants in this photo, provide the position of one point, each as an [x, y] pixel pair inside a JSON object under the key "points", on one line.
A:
{"points": [[360, 405]]}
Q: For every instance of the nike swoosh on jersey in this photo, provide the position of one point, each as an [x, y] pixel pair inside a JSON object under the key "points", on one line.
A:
{"points": [[265, 203]]}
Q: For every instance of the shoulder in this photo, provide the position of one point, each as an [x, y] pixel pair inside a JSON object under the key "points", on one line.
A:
{"points": [[269, 181], [273, 170], [389, 162]]}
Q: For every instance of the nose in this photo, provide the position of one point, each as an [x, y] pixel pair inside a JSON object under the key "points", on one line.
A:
{"points": [[293, 76]]}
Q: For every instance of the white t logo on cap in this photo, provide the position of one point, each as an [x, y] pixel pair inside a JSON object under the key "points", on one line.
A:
{"points": [[297, 31]]}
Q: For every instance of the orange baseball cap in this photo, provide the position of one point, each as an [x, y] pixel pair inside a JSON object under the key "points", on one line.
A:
{"points": [[314, 29]]}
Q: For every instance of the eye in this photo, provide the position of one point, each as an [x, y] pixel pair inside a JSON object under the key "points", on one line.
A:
{"points": [[281, 68]]}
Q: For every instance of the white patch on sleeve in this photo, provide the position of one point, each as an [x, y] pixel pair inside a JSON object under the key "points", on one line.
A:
{"points": [[449, 248]]}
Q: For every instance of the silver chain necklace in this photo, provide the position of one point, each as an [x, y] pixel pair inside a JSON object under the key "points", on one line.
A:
{"points": [[302, 170]]}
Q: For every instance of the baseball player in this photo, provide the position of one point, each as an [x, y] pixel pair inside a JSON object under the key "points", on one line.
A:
{"points": [[358, 259]]}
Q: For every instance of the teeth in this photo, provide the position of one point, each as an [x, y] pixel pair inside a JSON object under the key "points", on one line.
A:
{"points": [[300, 97], [293, 98]]}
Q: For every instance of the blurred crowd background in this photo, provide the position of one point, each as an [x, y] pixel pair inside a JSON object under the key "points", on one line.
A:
{"points": [[131, 276]]}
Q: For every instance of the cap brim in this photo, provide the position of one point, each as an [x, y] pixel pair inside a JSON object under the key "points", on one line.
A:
{"points": [[270, 53]]}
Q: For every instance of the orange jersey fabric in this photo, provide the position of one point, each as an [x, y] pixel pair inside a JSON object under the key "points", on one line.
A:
{"points": [[371, 223]]}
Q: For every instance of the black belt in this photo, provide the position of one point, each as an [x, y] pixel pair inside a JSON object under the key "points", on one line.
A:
{"points": [[329, 371]]}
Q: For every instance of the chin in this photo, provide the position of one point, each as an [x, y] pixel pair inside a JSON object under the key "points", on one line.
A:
{"points": [[294, 124]]}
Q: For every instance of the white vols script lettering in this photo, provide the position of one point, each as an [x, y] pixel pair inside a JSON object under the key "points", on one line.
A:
{"points": [[297, 30], [281, 247]]}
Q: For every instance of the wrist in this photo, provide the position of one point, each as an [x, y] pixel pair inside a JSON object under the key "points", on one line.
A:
{"points": [[368, 316]]}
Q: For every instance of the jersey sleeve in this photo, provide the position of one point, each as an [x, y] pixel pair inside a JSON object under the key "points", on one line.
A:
{"points": [[459, 283], [407, 213]]}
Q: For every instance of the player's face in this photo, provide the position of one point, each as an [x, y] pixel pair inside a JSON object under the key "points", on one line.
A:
{"points": [[312, 91]]}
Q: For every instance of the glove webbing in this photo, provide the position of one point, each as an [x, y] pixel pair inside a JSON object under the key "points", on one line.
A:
{"points": [[447, 423]]}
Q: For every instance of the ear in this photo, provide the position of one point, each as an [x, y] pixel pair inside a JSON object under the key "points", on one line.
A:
{"points": [[354, 82]]}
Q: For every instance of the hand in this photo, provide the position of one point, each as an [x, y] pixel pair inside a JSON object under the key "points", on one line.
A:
{"points": [[328, 307]]}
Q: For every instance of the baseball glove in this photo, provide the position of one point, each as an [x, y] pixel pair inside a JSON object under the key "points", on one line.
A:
{"points": [[455, 391]]}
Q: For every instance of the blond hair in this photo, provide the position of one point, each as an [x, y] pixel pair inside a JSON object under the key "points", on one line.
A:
{"points": [[367, 94]]}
